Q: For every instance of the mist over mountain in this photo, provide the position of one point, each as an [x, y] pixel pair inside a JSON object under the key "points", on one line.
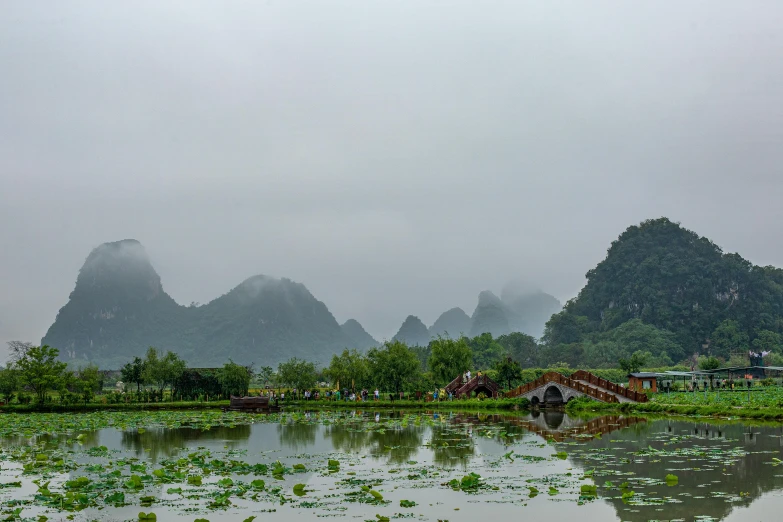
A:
{"points": [[356, 332], [119, 308], [451, 323], [413, 332], [528, 308], [490, 315]]}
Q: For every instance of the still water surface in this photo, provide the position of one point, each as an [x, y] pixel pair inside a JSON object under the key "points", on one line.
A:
{"points": [[531, 466]]}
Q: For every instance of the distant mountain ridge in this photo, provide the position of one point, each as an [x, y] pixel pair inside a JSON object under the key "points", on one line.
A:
{"points": [[118, 308], [413, 332], [519, 309], [355, 331], [451, 323]]}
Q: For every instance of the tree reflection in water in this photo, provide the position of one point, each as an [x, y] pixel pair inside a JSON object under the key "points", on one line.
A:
{"points": [[452, 445], [297, 436], [156, 442], [394, 444]]}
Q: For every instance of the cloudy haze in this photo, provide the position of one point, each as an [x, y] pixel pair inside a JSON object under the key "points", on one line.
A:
{"points": [[395, 157]]}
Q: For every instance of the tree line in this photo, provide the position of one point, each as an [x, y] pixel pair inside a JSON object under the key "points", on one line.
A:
{"points": [[393, 367], [35, 373]]}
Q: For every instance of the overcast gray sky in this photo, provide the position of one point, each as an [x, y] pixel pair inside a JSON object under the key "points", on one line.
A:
{"points": [[395, 157]]}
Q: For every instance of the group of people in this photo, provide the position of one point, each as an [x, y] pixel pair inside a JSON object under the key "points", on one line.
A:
{"points": [[442, 395], [348, 395], [467, 376]]}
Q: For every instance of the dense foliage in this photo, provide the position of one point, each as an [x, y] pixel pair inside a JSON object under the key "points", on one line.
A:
{"points": [[664, 290], [449, 359], [296, 373], [395, 367]]}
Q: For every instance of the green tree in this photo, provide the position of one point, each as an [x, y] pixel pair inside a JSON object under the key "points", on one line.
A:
{"points": [[486, 351], [767, 341], [635, 335], [133, 372], [9, 383], [709, 363], [394, 366], [508, 371], [350, 368], [520, 347], [565, 327], [449, 358], [87, 381], [234, 379], [265, 374], [40, 370], [297, 373], [728, 336], [162, 370], [635, 362], [423, 353]]}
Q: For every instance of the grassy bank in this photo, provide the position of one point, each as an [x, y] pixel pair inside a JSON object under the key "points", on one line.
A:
{"points": [[469, 404], [97, 406], [668, 408]]}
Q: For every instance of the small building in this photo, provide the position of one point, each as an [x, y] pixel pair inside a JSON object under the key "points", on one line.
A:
{"points": [[642, 382]]}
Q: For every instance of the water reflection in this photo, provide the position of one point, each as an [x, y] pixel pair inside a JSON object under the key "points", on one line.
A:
{"points": [[395, 445], [719, 467], [155, 443], [297, 436], [452, 445]]}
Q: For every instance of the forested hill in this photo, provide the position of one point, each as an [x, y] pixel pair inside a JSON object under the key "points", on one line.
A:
{"points": [[694, 297], [355, 331], [118, 309]]}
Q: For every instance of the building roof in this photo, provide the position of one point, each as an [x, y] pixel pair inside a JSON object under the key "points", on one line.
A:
{"points": [[643, 375]]}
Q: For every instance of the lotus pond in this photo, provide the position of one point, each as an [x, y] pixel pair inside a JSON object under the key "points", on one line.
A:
{"points": [[366, 465]]}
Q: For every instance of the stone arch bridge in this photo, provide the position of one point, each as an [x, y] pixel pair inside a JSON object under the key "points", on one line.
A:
{"points": [[553, 388]]}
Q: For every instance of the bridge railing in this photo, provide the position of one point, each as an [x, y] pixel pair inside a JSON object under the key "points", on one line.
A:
{"points": [[595, 387], [476, 382], [454, 385], [583, 375]]}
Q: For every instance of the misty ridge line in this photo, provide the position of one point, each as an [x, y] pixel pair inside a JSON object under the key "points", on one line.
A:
{"points": [[662, 294], [132, 249], [119, 306]]}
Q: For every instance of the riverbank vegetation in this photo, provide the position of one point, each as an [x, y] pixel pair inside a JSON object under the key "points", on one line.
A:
{"points": [[37, 379], [762, 403]]}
